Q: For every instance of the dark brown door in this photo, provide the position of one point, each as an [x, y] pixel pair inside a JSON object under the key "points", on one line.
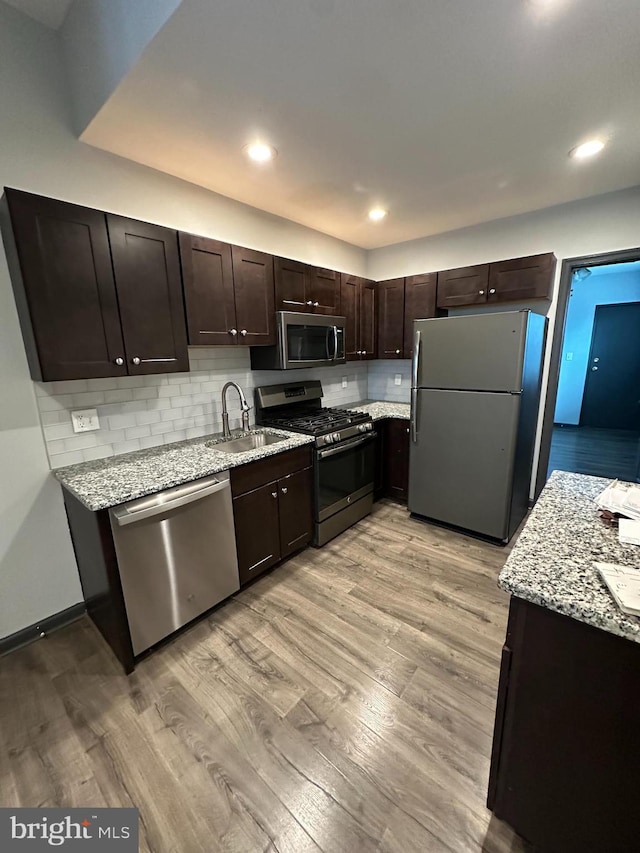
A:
{"points": [[253, 286], [390, 311], [295, 504], [397, 459], [324, 291], [522, 278], [64, 287], [367, 312], [349, 297], [146, 266], [257, 531], [419, 304], [292, 285], [612, 389], [464, 286], [207, 276]]}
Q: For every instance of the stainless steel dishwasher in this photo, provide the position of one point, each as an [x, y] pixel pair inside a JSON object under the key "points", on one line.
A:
{"points": [[176, 554]]}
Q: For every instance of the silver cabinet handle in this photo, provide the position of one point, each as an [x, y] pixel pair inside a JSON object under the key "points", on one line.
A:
{"points": [[243, 332], [119, 361], [274, 494], [397, 352], [233, 332], [481, 292], [493, 290], [309, 302], [315, 304], [594, 368], [284, 490], [135, 360]]}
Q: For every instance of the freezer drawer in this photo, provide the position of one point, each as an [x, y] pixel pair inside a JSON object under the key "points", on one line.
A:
{"points": [[481, 352], [462, 459], [176, 555]]}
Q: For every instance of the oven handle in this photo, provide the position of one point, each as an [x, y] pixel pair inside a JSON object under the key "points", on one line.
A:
{"points": [[348, 445]]}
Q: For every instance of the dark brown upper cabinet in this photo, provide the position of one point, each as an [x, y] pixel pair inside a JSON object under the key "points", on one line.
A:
{"points": [[390, 305], [357, 301], [419, 304], [253, 290], [146, 266], [97, 295], [207, 276], [464, 286], [300, 287], [522, 278]]}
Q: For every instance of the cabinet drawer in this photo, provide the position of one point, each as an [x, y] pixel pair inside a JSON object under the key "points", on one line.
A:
{"points": [[256, 474]]}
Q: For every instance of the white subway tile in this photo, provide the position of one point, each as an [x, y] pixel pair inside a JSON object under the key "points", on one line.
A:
{"points": [[148, 417], [145, 393], [59, 460], [184, 423], [168, 391], [163, 427], [88, 398], [159, 405], [55, 404], [57, 446], [170, 414], [121, 395], [178, 378], [150, 441], [111, 436], [196, 432], [126, 446], [101, 452], [57, 417], [177, 435], [103, 384], [122, 421], [81, 441], [137, 432], [179, 402], [59, 430], [69, 386], [190, 388]]}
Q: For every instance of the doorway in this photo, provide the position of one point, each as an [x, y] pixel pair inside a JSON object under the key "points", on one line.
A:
{"points": [[592, 416]]}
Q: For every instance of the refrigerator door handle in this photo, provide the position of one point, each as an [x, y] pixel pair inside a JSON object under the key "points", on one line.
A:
{"points": [[414, 414], [416, 356]]}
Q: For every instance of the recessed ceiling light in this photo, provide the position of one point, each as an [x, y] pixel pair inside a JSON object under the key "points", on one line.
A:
{"points": [[587, 149], [377, 213], [259, 152]]}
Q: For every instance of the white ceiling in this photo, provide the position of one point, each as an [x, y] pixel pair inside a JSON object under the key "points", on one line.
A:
{"points": [[446, 112], [49, 12]]}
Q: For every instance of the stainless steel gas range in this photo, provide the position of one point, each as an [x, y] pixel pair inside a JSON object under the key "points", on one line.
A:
{"points": [[344, 461]]}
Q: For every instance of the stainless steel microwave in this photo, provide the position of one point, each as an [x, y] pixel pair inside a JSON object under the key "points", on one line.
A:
{"points": [[304, 340]]}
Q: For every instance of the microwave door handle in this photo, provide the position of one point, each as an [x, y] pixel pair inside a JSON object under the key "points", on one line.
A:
{"points": [[335, 343], [326, 343]]}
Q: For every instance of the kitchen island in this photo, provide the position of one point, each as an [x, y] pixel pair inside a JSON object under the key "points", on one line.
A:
{"points": [[565, 766]]}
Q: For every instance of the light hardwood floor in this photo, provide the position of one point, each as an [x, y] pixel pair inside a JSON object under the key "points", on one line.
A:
{"points": [[344, 702]]}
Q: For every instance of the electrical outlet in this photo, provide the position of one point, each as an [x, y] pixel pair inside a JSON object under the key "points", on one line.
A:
{"points": [[344, 381], [569, 356], [398, 379], [85, 420]]}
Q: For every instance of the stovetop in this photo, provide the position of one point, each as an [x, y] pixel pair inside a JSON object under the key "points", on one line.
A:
{"points": [[316, 421]]}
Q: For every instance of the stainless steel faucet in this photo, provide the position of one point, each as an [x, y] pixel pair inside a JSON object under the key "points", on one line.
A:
{"points": [[244, 406]]}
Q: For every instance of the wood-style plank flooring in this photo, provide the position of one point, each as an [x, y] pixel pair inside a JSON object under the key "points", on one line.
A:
{"points": [[600, 452], [343, 703]]}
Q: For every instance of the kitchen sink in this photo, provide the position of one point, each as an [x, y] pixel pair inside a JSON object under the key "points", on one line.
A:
{"points": [[246, 442]]}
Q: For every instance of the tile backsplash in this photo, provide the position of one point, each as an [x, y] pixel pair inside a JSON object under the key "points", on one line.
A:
{"points": [[381, 381], [137, 412]]}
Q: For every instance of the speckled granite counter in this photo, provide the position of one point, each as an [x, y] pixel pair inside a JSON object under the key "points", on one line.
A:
{"points": [[552, 561], [379, 410], [108, 482]]}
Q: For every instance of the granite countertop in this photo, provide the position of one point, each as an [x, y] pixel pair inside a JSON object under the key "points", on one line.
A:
{"points": [[108, 482], [552, 562], [379, 410]]}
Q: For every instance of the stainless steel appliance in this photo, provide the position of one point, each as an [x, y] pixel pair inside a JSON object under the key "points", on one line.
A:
{"points": [[344, 462], [176, 554], [474, 405], [304, 340]]}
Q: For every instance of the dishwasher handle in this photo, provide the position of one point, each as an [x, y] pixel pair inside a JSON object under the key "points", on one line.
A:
{"points": [[159, 503]]}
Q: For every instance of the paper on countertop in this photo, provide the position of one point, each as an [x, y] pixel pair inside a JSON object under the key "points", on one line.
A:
{"points": [[623, 583], [629, 531], [621, 498]]}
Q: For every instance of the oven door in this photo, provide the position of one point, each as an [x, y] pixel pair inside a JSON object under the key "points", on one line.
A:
{"points": [[309, 340], [344, 474]]}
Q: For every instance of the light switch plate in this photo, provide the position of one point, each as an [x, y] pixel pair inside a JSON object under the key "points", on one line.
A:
{"points": [[344, 381], [85, 420], [398, 379]]}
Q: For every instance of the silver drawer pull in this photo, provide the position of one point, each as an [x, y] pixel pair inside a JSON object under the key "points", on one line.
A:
{"points": [[119, 361], [481, 292], [233, 332], [135, 360], [243, 332], [493, 290], [285, 490], [274, 494]]}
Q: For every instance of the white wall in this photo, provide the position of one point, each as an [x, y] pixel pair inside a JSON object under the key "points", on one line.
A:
{"points": [[38, 152]]}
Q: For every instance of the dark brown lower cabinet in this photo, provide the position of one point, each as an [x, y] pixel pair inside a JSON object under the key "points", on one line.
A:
{"points": [[273, 510], [565, 765], [396, 458]]}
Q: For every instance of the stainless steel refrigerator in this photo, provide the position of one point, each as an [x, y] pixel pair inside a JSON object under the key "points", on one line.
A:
{"points": [[474, 406]]}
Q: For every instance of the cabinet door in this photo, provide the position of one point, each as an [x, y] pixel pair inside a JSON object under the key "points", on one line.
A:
{"points": [[397, 459], [419, 304], [296, 512], [367, 320], [253, 286], [207, 276], [522, 278], [324, 291], [390, 299], [62, 277], [349, 293], [464, 286], [146, 265], [257, 531], [292, 285]]}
